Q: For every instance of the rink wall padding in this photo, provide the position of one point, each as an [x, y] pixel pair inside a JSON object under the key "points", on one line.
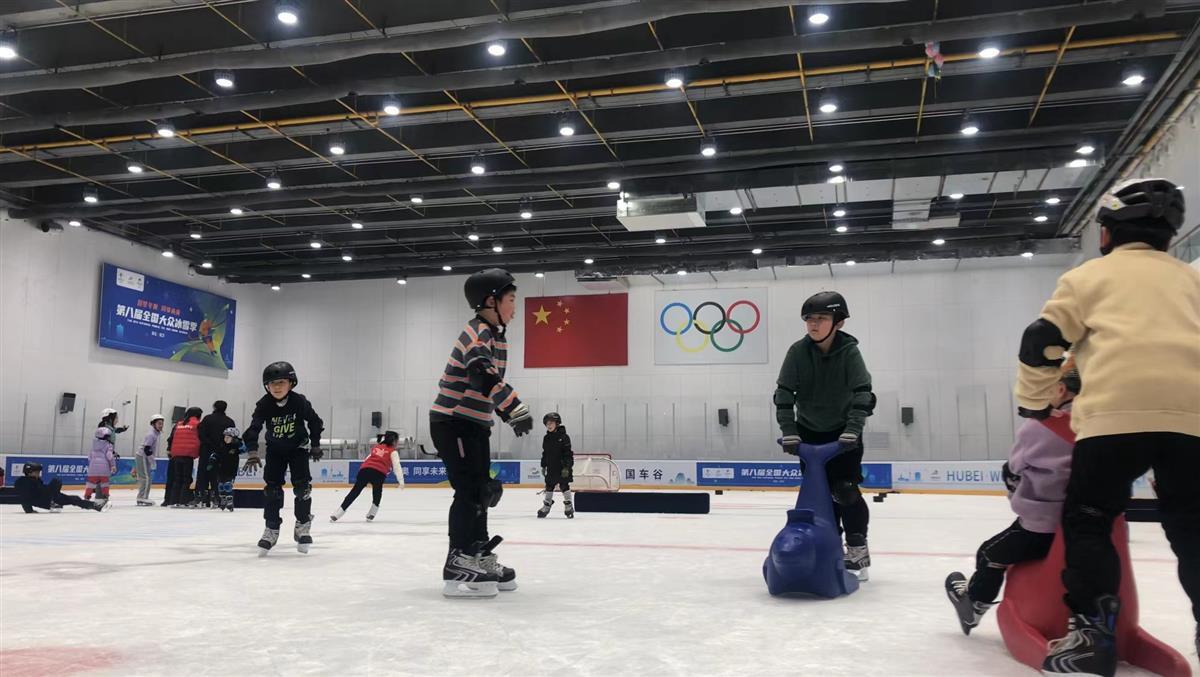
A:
{"points": [[685, 503], [950, 477]]}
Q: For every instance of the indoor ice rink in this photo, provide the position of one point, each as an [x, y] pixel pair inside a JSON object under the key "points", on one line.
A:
{"points": [[609, 280]]}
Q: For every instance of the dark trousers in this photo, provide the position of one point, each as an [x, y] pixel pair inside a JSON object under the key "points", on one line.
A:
{"points": [[206, 479], [1102, 472], [366, 476], [179, 478], [279, 462], [853, 516], [54, 489], [1014, 544], [464, 447], [563, 485]]}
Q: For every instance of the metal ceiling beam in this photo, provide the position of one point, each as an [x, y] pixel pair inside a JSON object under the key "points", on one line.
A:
{"points": [[102, 10], [1105, 11]]}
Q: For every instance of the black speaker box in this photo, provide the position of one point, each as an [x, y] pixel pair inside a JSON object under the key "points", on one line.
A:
{"points": [[67, 404]]}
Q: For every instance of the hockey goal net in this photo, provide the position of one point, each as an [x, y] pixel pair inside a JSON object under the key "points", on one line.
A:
{"points": [[595, 472]]}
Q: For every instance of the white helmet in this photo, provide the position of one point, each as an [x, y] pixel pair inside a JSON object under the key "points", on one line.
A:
{"points": [[157, 417], [107, 411]]}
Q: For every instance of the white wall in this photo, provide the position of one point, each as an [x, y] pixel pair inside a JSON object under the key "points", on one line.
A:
{"points": [[939, 339], [49, 292]]}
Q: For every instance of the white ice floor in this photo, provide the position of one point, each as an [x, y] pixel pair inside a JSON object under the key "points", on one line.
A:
{"points": [[156, 591]]}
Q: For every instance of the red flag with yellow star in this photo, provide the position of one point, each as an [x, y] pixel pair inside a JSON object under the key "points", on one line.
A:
{"points": [[577, 331]]}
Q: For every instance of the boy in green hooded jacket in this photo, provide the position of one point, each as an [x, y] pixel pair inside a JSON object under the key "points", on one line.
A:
{"points": [[824, 395]]}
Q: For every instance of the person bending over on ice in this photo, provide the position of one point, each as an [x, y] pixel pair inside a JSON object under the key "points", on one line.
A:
{"points": [[292, 429], [35, 494], [1035, 474], [460, 422], [824, 395], [557, 463], [1131, 318], [374, 470]]}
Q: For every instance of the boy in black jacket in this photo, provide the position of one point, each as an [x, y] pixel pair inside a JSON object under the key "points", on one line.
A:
{"points": [[557, 463], [50, 497], [293, 428]]}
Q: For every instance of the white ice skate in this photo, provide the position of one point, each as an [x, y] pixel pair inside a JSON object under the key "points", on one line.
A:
{"points": [[372, 512], [269, 538], [301, 534], [463, 577], [337, 515], [858, 561]]}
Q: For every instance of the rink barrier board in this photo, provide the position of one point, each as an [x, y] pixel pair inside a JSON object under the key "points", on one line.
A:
{"points": [[933, 477]]}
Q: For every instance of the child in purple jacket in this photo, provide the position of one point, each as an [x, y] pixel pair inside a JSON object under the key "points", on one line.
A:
{"points": [[102, 463], [1036, 475]]}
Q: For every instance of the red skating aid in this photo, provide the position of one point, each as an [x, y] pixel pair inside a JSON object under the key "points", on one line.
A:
{"points": [[1033, 612]]}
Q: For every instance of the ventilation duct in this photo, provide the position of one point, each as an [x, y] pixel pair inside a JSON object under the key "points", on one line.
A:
{"points": [[661, 212]]}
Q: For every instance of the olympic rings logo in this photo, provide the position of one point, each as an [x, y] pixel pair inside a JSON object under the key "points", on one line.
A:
{"points": [[708, 329]]}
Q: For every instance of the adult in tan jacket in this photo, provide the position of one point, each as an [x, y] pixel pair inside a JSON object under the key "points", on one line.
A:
{"points": [[1132, 320]]}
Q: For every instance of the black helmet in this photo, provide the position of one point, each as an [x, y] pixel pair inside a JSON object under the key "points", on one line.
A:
{"points": [[390, 438], [1146, 203], [826, 302], [280, 370], [486, 284], [552, 416], [31, 468]]}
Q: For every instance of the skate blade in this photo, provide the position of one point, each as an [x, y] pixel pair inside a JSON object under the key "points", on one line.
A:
{"points": [[506, 587], [861, 574], [460, 589], [262, 552], [303, 547]]}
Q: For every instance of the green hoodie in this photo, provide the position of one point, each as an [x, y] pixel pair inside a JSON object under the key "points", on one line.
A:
{"points": [[823, 392]]}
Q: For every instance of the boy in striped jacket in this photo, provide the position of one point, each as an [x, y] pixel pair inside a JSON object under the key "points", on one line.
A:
{"points": [[472, 387]]}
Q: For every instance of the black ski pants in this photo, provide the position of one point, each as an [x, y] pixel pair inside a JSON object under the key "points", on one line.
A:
{"points": [[464, 448], [1011, 546], [294, 461], [844, 472], [366, 476]]}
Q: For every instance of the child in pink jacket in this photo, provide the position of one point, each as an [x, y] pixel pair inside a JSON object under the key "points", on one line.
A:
{"points": [[1036, 475], [102, 464]]}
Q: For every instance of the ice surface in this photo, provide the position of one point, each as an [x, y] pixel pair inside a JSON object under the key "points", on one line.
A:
{"points": [[157, 591]]}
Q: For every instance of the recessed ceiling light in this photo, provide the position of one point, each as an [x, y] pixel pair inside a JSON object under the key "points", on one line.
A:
{"points": [[1041, 218], [274, 182], [286, 14], [496, 49], [315, 244], [969, 129], [391, 107], [195, 233], [90, 196], [347, 256], [829, 106], [674, 81], [851, 262], [8, 49], [337, 147], [1077, 163], [956, 196], [402, 280], [939, 242], [135, 168], [165, 129], [1053, 200], [416, 199], [566, 128], [275, 287], [589, 261], [206, 264], [989, 52], [1085, 149], [447, 268], [841, 229], [756, 251], [1027, 255], [708, 146], [356, 225], [224, 79], [839, 213], [735, 210], [660, 240], [477, 165], [75, 223], [526, 209], [473, 237], [236, 211], [681, 273], [836, 168], [539, 275], [497, 248], [837, 179], [1133, 79], [307, 276], [614, 185], [168, 253], [818, 18]]}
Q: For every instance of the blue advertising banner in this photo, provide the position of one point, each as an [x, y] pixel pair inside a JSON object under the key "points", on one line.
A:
{"points": [[150, 316], [73, 469], [781, 474], [433, 472]]}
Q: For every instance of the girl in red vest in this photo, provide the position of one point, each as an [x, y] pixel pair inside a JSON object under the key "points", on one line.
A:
{"points": [[383, 457], [183, 447]]}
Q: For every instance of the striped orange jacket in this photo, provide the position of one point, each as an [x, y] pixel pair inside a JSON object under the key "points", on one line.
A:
{"points": [[479, 358]]}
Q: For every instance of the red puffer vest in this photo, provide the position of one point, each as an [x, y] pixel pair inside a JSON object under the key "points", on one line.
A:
{"points": [[185, 441]]}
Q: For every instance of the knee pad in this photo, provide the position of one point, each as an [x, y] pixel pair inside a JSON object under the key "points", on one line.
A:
{"points": [[490, 493], [845, 493], [273, 492], [302, 491], [225, 487]]}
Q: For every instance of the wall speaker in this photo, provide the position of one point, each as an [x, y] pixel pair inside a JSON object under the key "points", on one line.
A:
{"points": [[723, 417], [906, 415], [177, 414], [377, 419], [67, 404]]}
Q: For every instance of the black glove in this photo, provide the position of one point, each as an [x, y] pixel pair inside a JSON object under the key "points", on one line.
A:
{"points": [[121, 429], [847, 442], [252, 462], [566, 473], [791, 444], [520, 420], [1038, 414], [1011, 479], [212, 462], [315, 453]]}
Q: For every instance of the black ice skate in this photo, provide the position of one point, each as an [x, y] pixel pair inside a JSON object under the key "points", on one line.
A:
{"points": [[143, 502], [547, 503], [969, 612], [269, 538], [101, 504], [569, 504], [301, 534], [371, 513], [858, 559], [506, 578], [54, 507], [1090, 648], [463, 576]]}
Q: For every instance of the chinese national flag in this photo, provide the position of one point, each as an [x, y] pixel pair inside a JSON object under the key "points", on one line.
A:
{"points": [[577, 331]]}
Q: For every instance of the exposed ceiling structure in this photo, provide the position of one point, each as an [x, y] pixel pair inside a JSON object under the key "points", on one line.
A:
{"points": [[373, 138]]}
